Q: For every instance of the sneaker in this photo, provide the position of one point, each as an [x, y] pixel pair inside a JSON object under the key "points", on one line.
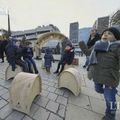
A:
{"points": [[84, 66], [36, 72], [55, 72]]}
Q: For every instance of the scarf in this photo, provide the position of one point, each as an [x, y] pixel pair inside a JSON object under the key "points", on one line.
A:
{"points": [[100, 46]]}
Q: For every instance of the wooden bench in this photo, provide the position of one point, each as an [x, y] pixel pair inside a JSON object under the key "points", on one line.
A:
{"points": [[24, 88], [70, 79]]}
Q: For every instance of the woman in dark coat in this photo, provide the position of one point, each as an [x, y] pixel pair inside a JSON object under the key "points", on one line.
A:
{"points": [[94, 36], [3, 44]]}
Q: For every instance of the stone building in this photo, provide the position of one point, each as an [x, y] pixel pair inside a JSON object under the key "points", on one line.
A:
{"points": [[33, 34]]}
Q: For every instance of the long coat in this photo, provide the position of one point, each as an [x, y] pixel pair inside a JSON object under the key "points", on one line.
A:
{"points": [[1, 49], [106, 71], [3, 44]]}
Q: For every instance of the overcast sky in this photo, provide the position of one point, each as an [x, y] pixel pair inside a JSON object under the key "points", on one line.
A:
{"points": [[28, 14]]}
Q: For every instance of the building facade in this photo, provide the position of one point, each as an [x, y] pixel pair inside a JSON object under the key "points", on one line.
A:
{"points": [[84, 34], [33, 34], [101, 24], [74, 31]]}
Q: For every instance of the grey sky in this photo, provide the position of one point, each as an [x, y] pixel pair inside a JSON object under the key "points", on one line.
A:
{"points": [[28, 14]]}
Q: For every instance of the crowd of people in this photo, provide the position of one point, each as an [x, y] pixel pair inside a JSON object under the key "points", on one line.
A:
{"points": [[102, 62], [17, 54], [22, 55]]}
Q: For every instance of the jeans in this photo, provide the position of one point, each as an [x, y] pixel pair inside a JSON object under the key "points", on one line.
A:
{"points": [[110, 98], [31, 62], [22, 64], [87, 61]]}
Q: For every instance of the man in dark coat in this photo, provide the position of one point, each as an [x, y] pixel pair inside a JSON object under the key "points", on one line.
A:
{"points": [[14, 53]]}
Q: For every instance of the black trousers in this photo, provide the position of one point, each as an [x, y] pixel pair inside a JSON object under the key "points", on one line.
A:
{"points": [[22, 64], [60, 65]]}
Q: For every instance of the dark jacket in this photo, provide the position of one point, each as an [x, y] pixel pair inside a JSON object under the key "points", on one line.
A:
{"points": [[0, 49], [18, 52], [10, 52], [3, 44], [27, 52], [48, 58], [13, 52], [67, 57], [91, 42], [106, 71]]}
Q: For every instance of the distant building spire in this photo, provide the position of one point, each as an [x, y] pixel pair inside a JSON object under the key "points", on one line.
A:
{"points": [[9, 30]]}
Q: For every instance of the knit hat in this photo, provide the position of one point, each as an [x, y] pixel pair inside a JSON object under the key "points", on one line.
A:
{"points": [[114, 31]]}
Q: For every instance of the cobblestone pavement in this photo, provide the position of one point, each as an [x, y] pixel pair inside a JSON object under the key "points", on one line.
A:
{"points": [[54, 103]]}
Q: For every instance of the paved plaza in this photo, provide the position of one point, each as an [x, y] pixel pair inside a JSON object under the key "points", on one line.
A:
{"points": [[54, 103]]}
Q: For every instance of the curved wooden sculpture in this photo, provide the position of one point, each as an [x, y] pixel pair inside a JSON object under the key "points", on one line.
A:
{"points": [[46, 37], [68, 66], [25, 87], [42, 39], [70, 79], [9, 74]]}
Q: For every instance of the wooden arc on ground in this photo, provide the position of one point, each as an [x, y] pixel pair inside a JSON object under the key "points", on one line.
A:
{"points": [[24, 88], [68, 66], [50, 36], [70, 79], [11, 74]]}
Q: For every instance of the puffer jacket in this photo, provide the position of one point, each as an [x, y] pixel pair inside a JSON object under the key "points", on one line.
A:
{"points": [[106, 71], [48, 58]]}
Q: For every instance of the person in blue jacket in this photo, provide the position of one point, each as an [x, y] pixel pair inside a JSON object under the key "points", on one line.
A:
{"points": [[48, 58], [28, 57]]}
